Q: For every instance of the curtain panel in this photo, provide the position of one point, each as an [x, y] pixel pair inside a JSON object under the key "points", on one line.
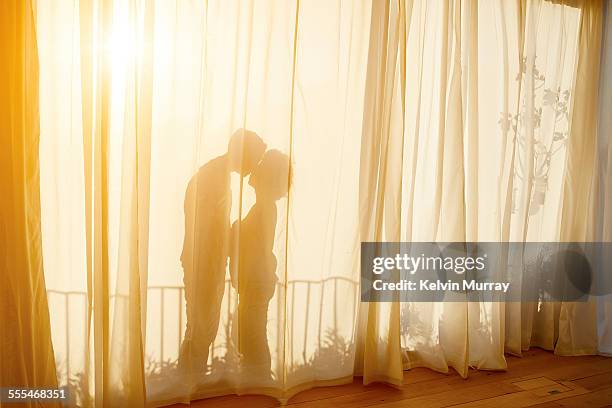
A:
{"points": [[481, 126], [26, 350], [189, 220]]}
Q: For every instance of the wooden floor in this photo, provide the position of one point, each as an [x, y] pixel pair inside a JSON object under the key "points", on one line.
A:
{"points": [[538, 379]]}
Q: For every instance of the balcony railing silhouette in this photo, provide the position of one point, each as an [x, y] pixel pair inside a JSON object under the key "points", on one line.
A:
{"points": [[313, 296]]}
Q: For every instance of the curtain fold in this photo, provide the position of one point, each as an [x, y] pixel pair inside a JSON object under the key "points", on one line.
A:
{"points": [[578, 321], [26, 350], [379, 357], [604, 214], [126, 351]]}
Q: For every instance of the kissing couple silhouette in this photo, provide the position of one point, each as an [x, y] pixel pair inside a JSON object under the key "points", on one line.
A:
{"points": [[248, 244]]}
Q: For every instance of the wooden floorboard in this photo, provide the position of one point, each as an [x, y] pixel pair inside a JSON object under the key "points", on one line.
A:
{"points": [[538, 379]]}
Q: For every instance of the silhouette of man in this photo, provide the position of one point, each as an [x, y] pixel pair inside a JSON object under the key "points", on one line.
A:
{"points": [[253, 264], [206, 244]]}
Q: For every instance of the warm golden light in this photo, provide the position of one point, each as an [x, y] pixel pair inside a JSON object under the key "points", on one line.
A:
{"points": [[178, 265]]}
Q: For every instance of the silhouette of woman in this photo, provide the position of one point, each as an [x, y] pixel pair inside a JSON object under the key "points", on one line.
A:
{"points": [[253, 264]]}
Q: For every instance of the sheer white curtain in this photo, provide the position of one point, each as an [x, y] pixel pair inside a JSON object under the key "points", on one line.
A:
{"points": [[136, 97], [390, 121], [481, 126]]}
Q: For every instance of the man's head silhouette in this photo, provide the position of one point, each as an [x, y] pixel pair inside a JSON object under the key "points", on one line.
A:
{"points": [[245, 149]]}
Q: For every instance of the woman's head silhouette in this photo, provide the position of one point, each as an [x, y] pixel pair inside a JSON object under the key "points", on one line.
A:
{"points": [[271, 178]]}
